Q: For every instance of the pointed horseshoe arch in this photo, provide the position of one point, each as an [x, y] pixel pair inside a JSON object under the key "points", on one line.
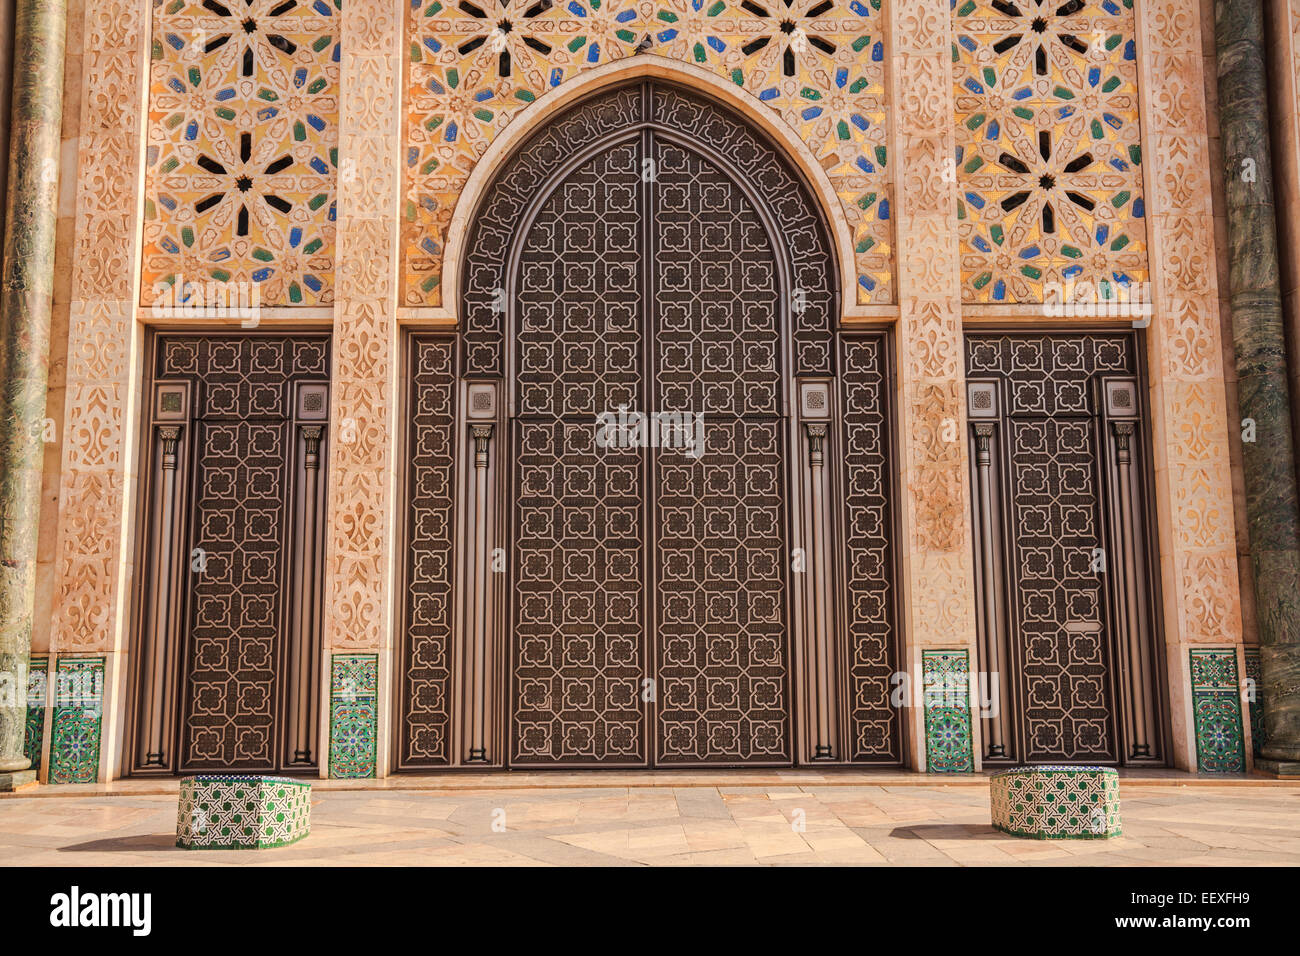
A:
{"points": [[780, 196], [669, 72]]}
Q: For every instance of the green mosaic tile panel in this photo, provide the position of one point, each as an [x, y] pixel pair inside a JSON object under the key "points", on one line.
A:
{"points": [[948, 743], [78, 713], [38, 679], [1056, 802], [222, 812], [354, 715], [1216, 708]]}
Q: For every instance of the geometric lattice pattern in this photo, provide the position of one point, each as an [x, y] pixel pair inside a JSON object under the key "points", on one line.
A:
{"points": [[1048, 159], [242, 813], [242, 149], [585, 516], [578, 607], [949, 746], [751, 160], [78, 713], [779, 188], [1056, 803], [38, 679], [240, 538], [868, 550], [1216, 709], [430, 554], [1060, 631], [354, 715], [1255, 703], [504, 206], [818, 64], [721, 598]]}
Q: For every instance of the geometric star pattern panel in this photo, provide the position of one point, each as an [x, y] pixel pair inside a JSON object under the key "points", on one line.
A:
{"points": [[1216, 707], [1048, 159], [78, 720], [354, 715], [242, 149], [474, 64], [948, 742]]}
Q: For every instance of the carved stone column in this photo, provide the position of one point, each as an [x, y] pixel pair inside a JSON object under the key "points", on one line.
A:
{"points": [[937, 581], [31, 209], [96, 476], [1272, 502], [1189, 426]]}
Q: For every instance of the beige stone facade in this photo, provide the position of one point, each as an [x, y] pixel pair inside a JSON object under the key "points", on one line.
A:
{"points": [[918, 257]]}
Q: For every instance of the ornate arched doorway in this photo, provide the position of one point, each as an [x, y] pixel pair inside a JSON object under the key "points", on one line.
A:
{"points": [[653, 543]]}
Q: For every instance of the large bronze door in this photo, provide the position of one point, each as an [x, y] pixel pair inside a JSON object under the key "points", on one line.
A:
{"points": [[649, 611], [1065, 584], [229, 610], [631, 500]]}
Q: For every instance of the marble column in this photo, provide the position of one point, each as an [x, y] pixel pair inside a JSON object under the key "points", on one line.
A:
{"points": [[26, 291], [1272, 511]]}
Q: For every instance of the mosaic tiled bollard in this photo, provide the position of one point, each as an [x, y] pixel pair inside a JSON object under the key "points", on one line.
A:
{"points": [[1054, 803], [242, 813]]}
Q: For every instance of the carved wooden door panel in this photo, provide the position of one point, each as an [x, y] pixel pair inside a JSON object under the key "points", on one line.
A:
{"points": [[230, 610]]}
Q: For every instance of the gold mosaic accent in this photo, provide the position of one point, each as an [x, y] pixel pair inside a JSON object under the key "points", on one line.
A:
{"points": [[241, 153], [472, 66]]}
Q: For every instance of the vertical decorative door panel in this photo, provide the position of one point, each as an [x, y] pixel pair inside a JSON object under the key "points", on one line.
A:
{"points": [[230, 603], [1063, 570], [426, 681], [869, 613], [722, 655]]}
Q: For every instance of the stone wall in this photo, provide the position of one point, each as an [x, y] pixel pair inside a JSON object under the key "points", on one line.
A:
{"points": [[395, 129]]}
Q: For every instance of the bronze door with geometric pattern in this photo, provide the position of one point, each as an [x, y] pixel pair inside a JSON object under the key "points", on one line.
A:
{"points": [[630, 497], [1064, 578], [229, 609], [649, 615]]}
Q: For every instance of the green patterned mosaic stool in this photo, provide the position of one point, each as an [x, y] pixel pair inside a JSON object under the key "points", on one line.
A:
{"points": [[1056, 803], [242, 813]]}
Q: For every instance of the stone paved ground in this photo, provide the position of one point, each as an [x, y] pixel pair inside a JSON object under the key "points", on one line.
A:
{"points": [[1167, 824]]}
